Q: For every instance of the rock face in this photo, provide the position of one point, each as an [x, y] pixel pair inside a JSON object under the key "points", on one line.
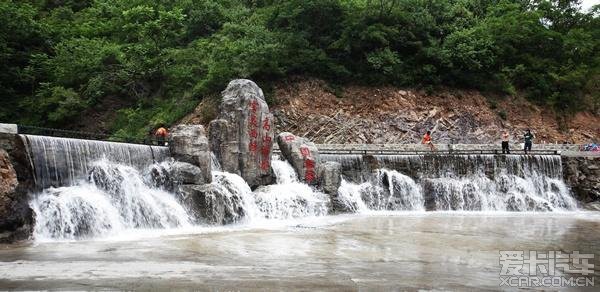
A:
{"points": [[16, 182], [188, 144], [583, 176], [216, 203], [242, 136], [330, 179], [186, 173], [8, 176], [302, 154]]}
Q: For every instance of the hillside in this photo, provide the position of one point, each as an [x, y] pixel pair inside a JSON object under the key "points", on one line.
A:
{"points": [[124, 67], [361, 114]]}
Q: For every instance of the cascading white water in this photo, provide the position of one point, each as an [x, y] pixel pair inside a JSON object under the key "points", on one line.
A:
{"points": [[121, 190], [460, 182], [214, 162], [63, 161], [107, 188], [290, 198], [285, 200], [113, 199]]}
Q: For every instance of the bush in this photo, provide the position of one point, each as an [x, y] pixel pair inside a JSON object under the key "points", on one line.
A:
{"points": [[62, 58]]}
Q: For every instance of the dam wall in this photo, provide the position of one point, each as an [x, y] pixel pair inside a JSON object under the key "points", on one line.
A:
{"points": [[375, 177]]}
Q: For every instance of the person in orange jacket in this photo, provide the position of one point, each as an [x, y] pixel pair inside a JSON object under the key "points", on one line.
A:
{"points": [[427, 141], [161, 135]]}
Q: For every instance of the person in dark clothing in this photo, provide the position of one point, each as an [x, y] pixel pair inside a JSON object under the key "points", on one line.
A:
{"points": [[528, 140], [505, 140]]}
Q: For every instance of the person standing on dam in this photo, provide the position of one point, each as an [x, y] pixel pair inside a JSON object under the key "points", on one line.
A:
{"points": [[505, 140], [161, 135], [427, 141], [528, 141]]}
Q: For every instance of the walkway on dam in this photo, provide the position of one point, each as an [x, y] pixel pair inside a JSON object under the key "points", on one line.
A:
{"points": [[350, 149]]}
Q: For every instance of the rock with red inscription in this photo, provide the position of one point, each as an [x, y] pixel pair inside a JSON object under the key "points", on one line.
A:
{"points": [[242, 135], [302, 154]]}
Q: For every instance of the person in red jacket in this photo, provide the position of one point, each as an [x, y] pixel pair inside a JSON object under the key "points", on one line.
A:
{"points": [[427, 141], [161, 135]]}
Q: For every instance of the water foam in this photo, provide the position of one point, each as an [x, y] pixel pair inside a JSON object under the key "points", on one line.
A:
{"points": [[113, 199], [455, 182]]}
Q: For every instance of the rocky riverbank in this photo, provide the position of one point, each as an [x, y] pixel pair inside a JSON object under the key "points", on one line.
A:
{"points": [[582, 174], [16, 183]]}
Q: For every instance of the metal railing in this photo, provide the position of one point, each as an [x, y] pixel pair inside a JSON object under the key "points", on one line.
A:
{"points": [[426, 152], [429, 152]]}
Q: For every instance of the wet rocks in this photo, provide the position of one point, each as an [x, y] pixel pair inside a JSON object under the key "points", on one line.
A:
{"points": [[186, 173], [242, 135], [214, 203], [330, 176], [107, 178], [188, 144], [15, 215], [8, 176], [582, 174], [8, 185], [302, 154], [330, 179]]}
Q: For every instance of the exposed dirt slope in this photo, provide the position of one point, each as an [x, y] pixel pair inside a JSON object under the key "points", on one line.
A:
{"points": [[392, 115]]}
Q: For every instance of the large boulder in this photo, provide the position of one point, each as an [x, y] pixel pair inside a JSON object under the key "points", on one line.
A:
{"points": [[242, 135], [15, 214], [302, 154], [330, 177], [212, 204], [186, 173], [188, 144], [330, 180]]}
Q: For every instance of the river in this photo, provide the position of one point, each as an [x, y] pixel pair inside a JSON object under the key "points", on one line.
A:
{"points": [[374, 251]]}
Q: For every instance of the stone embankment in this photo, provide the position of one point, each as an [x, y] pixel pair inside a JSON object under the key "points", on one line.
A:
{"points": [[16, 183], [582, 173]]}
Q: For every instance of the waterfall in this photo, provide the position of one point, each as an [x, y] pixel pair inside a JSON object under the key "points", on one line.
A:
{"points": [[63, 161], [290, 198], [214, 162], [455, 182], [114, 198], [92, 188], [286, 199]]}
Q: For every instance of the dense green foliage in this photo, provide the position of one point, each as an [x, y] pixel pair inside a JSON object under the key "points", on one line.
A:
{"points": [[62, 59]]}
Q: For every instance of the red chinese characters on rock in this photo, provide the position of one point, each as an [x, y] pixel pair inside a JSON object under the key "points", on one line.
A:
{"points": [[266, 145], [253, 133], [289, 138], [266, 149], [304, 151], [253, 146], [266, 125], [253, 126], [309, 164]]}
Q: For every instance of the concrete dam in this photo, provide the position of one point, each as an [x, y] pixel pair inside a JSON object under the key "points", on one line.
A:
{"points": [[86, 188]]}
